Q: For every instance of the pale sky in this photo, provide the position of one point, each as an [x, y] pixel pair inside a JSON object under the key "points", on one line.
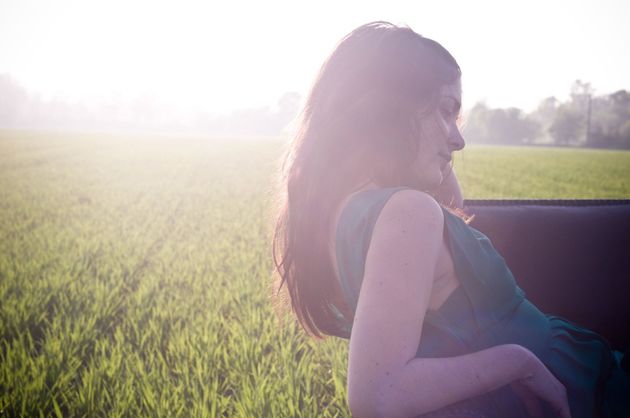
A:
{"points": [[223, 55]]}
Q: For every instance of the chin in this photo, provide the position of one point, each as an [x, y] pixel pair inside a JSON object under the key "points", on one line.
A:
{"points": [[426, 180], [429, 185]]}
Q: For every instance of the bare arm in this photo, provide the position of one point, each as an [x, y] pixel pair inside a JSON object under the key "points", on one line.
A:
{"points": [[427, 384], [384, 378], [449, 192]]}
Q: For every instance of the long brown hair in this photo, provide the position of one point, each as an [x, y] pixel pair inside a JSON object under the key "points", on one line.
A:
{"points": [[359, 124]]}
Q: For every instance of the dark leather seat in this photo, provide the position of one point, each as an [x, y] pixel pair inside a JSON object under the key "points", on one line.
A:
{"points": [[571, 257]]}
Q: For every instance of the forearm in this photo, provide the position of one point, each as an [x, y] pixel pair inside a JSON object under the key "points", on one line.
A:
{"points": [[449, 192], [427, 384]]}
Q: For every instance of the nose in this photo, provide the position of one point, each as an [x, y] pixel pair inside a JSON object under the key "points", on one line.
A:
{"points": [[455, 139]]}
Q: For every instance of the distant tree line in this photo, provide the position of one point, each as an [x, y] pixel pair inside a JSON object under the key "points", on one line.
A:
{"points": [[22, 109], [583, 120]]}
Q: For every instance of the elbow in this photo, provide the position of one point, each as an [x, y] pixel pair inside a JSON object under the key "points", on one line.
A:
{"points": [[364, 403], [365, 409], [357, 404]]}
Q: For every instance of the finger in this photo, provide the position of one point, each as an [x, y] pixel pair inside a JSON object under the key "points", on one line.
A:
{"points": [[534, 408], [562, 413], [533, 405], [562, 410]]}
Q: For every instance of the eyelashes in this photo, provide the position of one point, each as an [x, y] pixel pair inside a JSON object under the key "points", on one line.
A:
{"points": [[450, 114]]}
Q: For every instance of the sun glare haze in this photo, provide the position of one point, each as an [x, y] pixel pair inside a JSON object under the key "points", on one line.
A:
{"points": [[156, 187], [222, 56]]}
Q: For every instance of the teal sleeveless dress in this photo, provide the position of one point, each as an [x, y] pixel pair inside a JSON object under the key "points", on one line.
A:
{"points": [[489, 309]]}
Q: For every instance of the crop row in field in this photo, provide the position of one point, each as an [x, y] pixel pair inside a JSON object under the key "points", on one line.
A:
{"points": [[134, 273]]}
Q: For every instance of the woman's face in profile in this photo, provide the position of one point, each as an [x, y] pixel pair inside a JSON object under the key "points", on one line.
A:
{"points": [[440, 136]]}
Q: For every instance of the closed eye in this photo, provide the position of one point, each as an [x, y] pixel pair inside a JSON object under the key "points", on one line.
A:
{"points": [[448, 113], [450, 108]]}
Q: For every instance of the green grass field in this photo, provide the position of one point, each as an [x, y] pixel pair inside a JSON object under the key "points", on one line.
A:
{"points": [[134, 273]]}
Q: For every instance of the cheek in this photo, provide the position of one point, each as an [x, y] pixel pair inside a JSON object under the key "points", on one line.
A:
{"points": [[436, 135], [438, 126], [428, 170], [443, 127], [429, 155]]}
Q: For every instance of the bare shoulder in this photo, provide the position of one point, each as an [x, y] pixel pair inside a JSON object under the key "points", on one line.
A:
{"points": [[403, 253], [408, 232], [413, 209]]}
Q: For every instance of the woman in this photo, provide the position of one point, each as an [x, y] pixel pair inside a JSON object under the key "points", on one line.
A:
{"points": [[439, 323]]}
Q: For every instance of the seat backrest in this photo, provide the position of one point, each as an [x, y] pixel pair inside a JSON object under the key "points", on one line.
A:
{"points": [[571, 257]]}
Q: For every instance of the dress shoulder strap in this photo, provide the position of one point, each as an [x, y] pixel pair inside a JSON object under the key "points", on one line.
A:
{"points": [[352, 238]]}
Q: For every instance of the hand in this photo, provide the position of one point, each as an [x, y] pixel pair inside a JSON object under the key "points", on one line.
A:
{"points": [[538, 385]]}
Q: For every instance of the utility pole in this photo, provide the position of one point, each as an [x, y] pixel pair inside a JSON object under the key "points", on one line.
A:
{"points": [[588, 121]]}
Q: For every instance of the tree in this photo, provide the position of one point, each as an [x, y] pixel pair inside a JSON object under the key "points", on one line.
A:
{"points": [[571, 121], [567, 126], [610, 118], [624, 135], [500, 126], [544, 115], [475, 125], [13, 101]]}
